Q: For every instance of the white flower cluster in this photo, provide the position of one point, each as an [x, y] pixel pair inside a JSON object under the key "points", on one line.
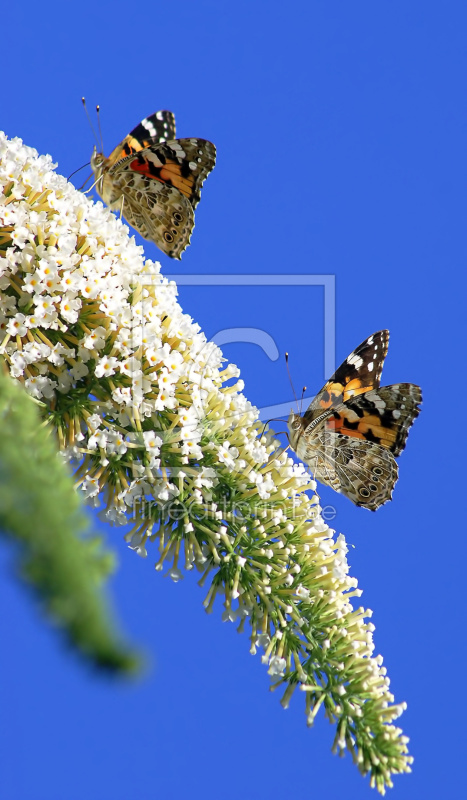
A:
{"points": [[143, 405], [75, 323]]}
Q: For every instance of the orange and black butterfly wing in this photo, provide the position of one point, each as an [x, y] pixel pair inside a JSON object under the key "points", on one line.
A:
{"points": [[382, 416], [359, 373], [157, 128], [181, 163], [161, 186], [153, 130], [355, 444], [354, 427]]}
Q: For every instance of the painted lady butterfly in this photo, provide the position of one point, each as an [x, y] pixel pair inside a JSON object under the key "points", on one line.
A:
{"points": [[354, 427], [155, 180]]}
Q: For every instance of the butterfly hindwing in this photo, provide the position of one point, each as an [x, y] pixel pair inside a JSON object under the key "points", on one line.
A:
{"points": [[158, 212], [363, 471]]}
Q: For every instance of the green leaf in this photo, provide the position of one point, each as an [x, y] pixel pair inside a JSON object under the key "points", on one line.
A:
{"points": [[40, 511]]}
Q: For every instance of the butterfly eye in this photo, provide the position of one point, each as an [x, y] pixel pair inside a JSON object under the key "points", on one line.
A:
{"points": [[168, 237], [363, 492]]}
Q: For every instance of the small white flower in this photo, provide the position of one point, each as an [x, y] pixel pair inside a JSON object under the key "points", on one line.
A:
{"points": [[90, 487], [263, 640], [276, 666], [79, 370], [70, 307], [105, 366], [176, 574], [131, 367], [116, 443], [152, 442], [96, 339]]}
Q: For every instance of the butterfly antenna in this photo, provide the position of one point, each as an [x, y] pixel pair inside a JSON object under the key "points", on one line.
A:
{"points": [[89, 120], [98, 110], [301, 399], [78, 170], [290, 377], [273, 419]]}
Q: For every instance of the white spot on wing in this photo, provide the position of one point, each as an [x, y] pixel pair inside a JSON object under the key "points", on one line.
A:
{"points": [[154, 159], [355, 360], [179, 151], [149, 127], [377, 401]]}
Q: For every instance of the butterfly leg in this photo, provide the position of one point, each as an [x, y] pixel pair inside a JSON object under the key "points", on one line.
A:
{"points": [[121, 207], [91, 187]]}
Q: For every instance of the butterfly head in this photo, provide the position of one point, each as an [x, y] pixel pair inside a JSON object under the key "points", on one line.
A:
{"points": [[97, 160], [295, 426], [98, 164]]}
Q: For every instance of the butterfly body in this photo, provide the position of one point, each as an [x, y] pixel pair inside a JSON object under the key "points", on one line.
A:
{"points": [[155, 180], [354, 427]]}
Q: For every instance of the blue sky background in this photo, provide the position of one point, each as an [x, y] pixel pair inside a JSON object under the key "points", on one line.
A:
{"points": [[341, 133]]}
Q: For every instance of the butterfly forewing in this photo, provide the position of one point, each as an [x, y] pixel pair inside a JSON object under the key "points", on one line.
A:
{"points": [[360, 372], [159, 127], [155, 129]]}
